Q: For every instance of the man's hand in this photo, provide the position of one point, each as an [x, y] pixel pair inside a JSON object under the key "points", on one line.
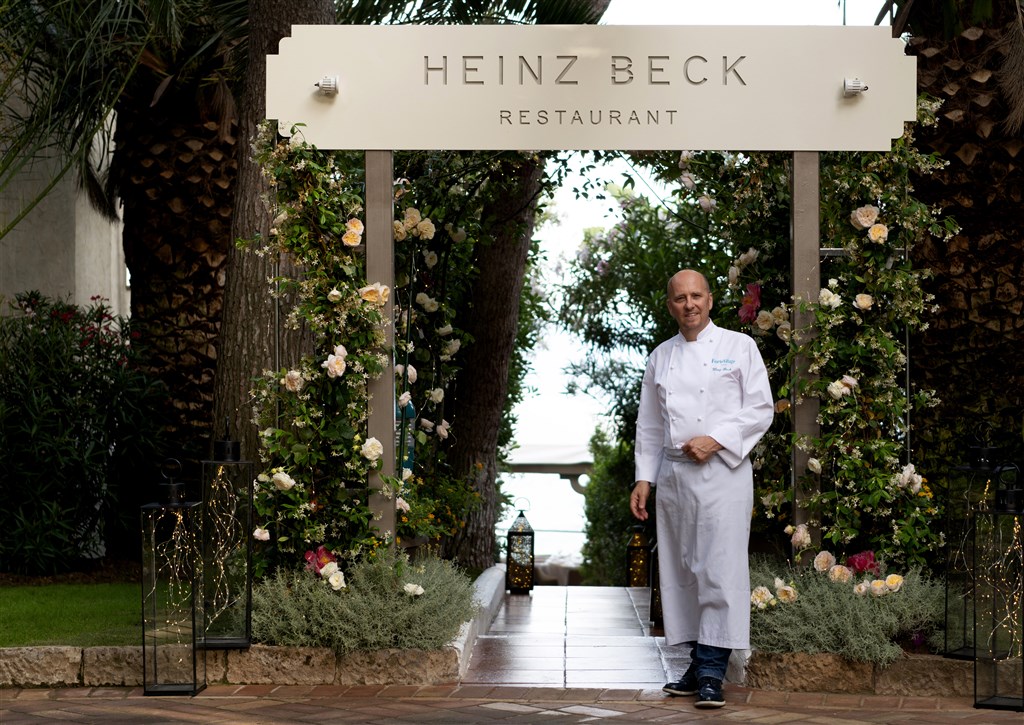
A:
{"points": [[638, 499], [701, 448]]}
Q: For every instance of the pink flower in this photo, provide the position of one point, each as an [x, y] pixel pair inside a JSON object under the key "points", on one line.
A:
{"points": [[317, 560], [751, 303], [863, 562]]}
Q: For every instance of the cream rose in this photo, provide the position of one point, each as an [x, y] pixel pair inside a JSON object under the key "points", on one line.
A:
{"points": [[760, 597], [894, 582], [764, 320], [414, 590], [334, 295], [784, 332], [436, 395], [861, 588], [399, 231], [293, 381], [786, 594], [878, 233], [814, 465], [828, 298], [412, 218], [375, 293], [430, 258], [401, 504], [351, 239], [878, 588], [864, 217], [425, 229], [282, 481], [354, 225], [840, 573], [824, 561], [863, 301], [337, 581], [334, 365], [372, 449], [837, 390]]}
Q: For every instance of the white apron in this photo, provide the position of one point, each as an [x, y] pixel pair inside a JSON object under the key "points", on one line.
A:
{"points": [[715, 386]]}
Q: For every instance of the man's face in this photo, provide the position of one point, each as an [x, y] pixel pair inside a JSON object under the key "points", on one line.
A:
{"points": [[689, 303]]}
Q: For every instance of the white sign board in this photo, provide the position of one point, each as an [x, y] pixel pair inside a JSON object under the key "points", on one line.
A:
{"points": [[593, 87]]}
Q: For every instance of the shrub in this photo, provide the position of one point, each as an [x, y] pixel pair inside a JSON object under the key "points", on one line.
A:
{"points": [[373, 612], [828, 616], [76, 416], [607, 510]]}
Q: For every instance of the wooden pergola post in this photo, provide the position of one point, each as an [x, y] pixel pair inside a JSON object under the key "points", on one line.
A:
{"points": [[806, 267], [380, 267]]}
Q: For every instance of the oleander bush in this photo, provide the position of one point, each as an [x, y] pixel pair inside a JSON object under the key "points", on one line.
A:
{"points": [[383, 601], [78, 421]]}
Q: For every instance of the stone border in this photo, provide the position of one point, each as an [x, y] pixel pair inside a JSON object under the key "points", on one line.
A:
{"points": [[261, 664]]}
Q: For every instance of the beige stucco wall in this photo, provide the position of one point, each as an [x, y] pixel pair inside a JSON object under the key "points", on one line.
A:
{"points": [[63, 248]]}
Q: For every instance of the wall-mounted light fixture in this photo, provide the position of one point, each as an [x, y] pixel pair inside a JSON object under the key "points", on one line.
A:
{"points": [[853, 87]]}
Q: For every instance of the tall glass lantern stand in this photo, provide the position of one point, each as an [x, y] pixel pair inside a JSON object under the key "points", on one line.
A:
{"points": [[227, 547], [172, 661]]}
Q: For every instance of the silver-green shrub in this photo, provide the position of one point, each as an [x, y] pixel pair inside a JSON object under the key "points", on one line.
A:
{"points": [[373, 612], [827, 616]]}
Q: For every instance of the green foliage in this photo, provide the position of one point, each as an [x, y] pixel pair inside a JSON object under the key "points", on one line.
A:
{"points": [[313, 414], [78, 422], [827, 616], [607, 511], [862, 491], [72, 615], [374, 612]]}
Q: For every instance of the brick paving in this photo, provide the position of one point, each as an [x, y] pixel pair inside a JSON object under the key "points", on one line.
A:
{"points": [[562, 655]]}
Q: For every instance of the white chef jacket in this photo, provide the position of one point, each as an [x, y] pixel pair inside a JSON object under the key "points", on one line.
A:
{"points": [[717, 386]]}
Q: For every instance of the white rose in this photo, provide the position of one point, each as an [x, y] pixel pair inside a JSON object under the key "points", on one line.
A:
{"points": [[372, 449], [261, 534], [837, 390], [450, 348], [426, 424], [401, 504], [824, 561], [412, 218], [335, 366], [828, 298], [688, 181], [734, 275], [849, 381], [442, 429], [414, 590], [814, 465], [430, 258], [283, 481], [329, 568], [443, 331], [748, 257], [334, 295], [404, 398], [337, 581], [786, 594], [458, 236], [861, 588], [436, 395], [425, 230], [784, 331], [406, 474], [411, 373], [764, 320], [399, 231]]}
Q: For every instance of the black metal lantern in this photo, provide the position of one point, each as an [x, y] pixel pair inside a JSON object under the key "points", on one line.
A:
{"points": [[657, 617], [638, 558], [999, 610], [520, 560], [172, 664], [227, 547]]}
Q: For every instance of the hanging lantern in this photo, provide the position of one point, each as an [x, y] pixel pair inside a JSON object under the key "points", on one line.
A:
{"points": [[638, 558], [227, 547], [999, 610], [171, 593], [520, 560], [405, 438]]}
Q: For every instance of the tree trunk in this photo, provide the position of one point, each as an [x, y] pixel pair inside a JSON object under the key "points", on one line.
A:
{"points": [[970, 353], [253, 337], [493, 321], [175, 171]]}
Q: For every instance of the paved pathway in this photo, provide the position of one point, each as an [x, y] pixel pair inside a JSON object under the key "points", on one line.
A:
{"points": [[561, 655]]}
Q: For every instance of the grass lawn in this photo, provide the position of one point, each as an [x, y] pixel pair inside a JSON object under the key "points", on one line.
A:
{"points": [[79, 615]]}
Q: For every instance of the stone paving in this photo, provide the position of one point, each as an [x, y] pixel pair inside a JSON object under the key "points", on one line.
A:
{"points": [[564, 655]]}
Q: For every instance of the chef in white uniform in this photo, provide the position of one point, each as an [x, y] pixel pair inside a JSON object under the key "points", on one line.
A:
{"points": [[704, 404]]}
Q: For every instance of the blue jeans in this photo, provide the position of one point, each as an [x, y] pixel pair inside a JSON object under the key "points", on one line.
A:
{"points": [[708, 661]]}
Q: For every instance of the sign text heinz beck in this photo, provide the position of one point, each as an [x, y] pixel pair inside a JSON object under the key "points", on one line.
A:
{"points": [[593, 87]]}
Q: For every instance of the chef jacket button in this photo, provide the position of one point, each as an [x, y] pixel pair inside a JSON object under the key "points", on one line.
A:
{"points": [[702, 390], [699, 419]]}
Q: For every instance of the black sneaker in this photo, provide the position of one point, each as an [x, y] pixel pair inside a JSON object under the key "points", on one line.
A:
{"points": [[685, 687], [710, 693]]}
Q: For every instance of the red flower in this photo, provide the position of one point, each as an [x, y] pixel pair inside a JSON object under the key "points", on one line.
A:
{"points": [[751, 303], [316, 560], [863, 562]]}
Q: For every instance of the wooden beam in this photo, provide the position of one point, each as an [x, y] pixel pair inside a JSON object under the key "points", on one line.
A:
{"points": [[806, 266], [380, 267]]}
